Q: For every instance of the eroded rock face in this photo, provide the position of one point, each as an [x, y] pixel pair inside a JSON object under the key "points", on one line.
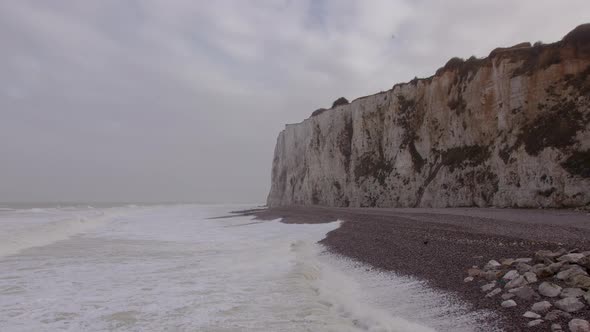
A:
{"points": [[512, 129]]}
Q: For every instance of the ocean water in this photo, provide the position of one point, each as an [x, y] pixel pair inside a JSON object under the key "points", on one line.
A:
{"points": [[171, 268]]}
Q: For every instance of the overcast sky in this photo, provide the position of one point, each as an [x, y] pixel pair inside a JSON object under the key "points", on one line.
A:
{"points": [[182, 100]]}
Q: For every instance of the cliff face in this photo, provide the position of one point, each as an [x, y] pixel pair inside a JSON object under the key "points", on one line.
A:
{"points": [[510, 130]]}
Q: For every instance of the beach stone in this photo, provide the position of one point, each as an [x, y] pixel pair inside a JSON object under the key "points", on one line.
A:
{"points": [[516, 282], [557, 314], [530, 277], [491, 265], [585, 262], [507, 296], [547, 256], [556, 328], [534, 322], [571, 258], [544, 272], [587, 297], [491, 275], [468, 279], [549, 289], [524, 260], [572, 292], [507, 261], [523, 267], [572, 271], [508, 304], [474, 272], [555, 267], [569, 304], [525, 293], [579, 281], [541, 307], [510, 275], [532, 315], [488, 287], [579, 325], [494, 292]]}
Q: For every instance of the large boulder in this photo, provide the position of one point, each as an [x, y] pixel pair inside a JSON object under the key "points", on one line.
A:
{"points": [[549, 289], [579, 325], [569, 304], [572, 292], [579, 281], [541, 307]]}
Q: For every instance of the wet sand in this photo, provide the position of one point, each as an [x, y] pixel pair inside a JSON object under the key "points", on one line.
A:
{"points": [[439, 245]]}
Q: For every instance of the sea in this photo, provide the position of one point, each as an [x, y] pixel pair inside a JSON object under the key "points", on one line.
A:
{"points": [[176, 267]]}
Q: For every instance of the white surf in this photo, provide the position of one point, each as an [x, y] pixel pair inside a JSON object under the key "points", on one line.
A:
{"points": [[169, 268]]}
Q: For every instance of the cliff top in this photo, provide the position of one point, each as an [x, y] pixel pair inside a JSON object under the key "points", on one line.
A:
{"points": [[533, 57]]}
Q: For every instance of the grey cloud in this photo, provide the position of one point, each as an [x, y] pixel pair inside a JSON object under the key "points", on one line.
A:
{"points": [[182, 100]]}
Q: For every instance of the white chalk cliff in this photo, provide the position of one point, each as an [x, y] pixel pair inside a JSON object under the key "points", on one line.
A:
{"points": [[510, 130]]}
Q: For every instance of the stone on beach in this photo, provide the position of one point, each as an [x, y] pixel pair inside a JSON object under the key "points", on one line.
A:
{"points": [[571, 272], [571, 258], [525, 293], [516, 282], [494, 292], [530, 277], [510, 275], [468, 279], [508, 304], [474, 272], [507, 261], [579, 325], [556, 328], [569, 304], [532, 315], [541, 307], [580, 281], [557, 314], [523, 267], [488, 287], [507, 296], [572, 292], [549, 289], [535, 322], [493, 264]]}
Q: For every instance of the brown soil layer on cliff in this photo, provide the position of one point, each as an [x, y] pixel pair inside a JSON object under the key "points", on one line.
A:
{"points": [[439, 245]]}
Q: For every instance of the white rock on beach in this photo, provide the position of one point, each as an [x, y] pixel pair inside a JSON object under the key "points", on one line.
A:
{"points": [[516, 282], [530, 277], [525, 293], [532, 315], [510, 275], [571, 258], [572, 271], [494, 292], [507, 296], [549, 289], [488, 287], [557, 314], [541, 307], [508, 304], [569, 304], [493, 264], [523, 260], [572, 292], [556, 328], [534, 322], [579, 325], [587, 297], [468, 279]]}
